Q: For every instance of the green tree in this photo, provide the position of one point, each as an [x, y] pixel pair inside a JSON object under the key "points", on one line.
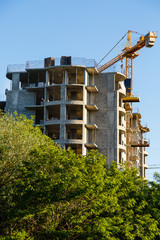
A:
{"points": [[153, 199], [51, 193]]}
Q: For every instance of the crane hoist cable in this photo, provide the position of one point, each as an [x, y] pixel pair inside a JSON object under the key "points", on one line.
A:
{"points": [[111, 49]]}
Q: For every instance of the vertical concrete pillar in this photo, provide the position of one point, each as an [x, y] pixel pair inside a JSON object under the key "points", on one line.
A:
{"points": [[63, 115], [66, 77], [15, 81], [84, 130], [93, 82], [142, 163], [47, 78], [45, 101], [47, 84]]}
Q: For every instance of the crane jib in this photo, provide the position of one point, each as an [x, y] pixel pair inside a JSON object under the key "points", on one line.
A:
{"points": [[130, 52]]}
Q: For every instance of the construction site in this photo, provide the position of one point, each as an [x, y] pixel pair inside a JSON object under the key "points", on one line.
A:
{"points": [[82, 105]]}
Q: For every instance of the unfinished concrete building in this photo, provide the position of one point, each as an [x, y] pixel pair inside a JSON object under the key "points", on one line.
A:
{"points": [[77, 107]]}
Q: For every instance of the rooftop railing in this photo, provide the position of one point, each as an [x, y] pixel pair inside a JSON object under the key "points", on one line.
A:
{"points": [[38, 64]]}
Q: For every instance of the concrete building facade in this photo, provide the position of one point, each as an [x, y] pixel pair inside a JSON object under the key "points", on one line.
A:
{"points": [[77, 107]]}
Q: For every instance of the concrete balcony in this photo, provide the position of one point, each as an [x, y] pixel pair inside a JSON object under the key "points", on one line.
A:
{"points": [[73, 121], [122, 111], [122, 129], [145, 166], [122, 148], [73, 141], [52, 121], [57, 141], [91, 89], [51, 103], [34, 107], [91, 126], [74, 102], [91, 107], [91, 145], [145, 153], [34, 86]]}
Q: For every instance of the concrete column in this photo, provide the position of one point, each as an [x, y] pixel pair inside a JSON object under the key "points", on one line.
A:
{"points": [[63, 115], [62, 124], [47, 78], [142, 159], [66, 77], [93, 82], [63, 93], [45, 101], [84, 130], [15, 81]]}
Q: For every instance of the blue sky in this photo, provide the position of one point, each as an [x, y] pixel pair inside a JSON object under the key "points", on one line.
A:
{"points": [[35, 29]]}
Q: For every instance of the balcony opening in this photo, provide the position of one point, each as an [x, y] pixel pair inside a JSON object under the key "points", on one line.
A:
{"points": [[54, 93], [120, 102], [53, 113], [76, 76], [40, 97], [39, 116], [24, 80], [91, 139], [56, 77], [76, 147], [120, 157], [92, 136], [73, 131], [37, 78], [92, 79], [74, 112], [120, 138], [74, 93], [53, 131], [120, 120], [91, 98], [33, 78]]}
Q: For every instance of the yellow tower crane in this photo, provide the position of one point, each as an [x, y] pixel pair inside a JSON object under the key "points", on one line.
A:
{"points": [[129, 53]]}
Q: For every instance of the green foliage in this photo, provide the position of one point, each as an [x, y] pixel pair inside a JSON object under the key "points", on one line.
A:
{"points": [[50, 193], [17, 235]]}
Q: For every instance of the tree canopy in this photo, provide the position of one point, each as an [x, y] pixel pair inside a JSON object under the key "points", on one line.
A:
{"points": [[47, 192]]}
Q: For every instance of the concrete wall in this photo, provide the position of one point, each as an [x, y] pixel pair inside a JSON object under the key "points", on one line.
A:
{"points": [[106, 116], [18, 100]]}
